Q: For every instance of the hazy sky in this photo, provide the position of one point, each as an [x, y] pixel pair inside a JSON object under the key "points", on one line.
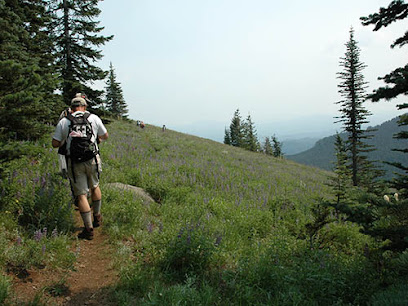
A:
{"points": [[182, 62]]}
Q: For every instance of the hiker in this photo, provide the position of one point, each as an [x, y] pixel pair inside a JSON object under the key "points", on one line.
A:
{"points": [[81, 130], [164, 128]]}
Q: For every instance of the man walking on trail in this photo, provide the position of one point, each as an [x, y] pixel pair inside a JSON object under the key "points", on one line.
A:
{"points": [[82, 131]]}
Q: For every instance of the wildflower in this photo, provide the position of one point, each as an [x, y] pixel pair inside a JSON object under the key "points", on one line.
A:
{"points": [[43, 249], [37, 235], [54, 233], [150, 227]]}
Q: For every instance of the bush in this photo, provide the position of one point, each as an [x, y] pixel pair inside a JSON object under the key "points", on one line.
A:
{"points": [[189, 253], [396, 295], [4, 288]]}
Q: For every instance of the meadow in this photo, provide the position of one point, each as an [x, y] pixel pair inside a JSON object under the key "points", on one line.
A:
{"points": [[228, 226]]}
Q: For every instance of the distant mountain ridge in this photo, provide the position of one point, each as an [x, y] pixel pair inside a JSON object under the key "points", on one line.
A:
{"points": [[322, 154]]}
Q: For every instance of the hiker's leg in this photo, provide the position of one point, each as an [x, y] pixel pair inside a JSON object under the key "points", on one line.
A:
{"points": [[96, 197], [85, 211]]}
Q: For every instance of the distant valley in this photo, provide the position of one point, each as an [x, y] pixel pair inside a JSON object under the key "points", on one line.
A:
{"points": [[322, 155]]}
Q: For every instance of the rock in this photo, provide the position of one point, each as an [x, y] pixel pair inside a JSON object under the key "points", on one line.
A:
{"points": [[137, 190]]}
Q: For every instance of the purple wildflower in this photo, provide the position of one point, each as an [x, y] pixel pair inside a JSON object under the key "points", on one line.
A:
{"points": [[54, 233], [37, 235]]}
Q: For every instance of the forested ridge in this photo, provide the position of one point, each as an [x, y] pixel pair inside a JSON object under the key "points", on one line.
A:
{"points": [[322, 154]]}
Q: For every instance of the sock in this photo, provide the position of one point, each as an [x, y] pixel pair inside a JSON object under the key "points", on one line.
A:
{"points": [[87, 218], [96, 206]]}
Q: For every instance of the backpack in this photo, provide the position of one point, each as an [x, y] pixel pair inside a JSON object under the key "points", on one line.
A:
{"points": [[82, 146]]}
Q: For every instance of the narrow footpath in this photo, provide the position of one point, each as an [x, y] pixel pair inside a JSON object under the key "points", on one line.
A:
{"points": [[89, 283]]}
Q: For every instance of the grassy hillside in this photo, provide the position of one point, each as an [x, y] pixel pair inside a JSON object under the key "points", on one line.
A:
{"points": [[228, 226]]}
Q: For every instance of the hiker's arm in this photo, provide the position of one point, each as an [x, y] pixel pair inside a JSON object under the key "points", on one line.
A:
{"points": [[56, 143], [104, 136]]}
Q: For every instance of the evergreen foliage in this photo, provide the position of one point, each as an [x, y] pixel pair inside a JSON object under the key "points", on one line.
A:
{"points": [[115, 103], [267, 147], [25, 82], [353, 114], [250, 141], [277, 147], [76, 41], [227, 138], [396, 81], [237, 130], [340, 182]]}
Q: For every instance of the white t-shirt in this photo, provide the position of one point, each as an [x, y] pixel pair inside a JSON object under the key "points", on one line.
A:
{"points": [[62, 128]]}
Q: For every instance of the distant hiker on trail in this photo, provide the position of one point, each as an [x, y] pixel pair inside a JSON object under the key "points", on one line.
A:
{"points": [[80, 130], [164, 128], [142, 125]]}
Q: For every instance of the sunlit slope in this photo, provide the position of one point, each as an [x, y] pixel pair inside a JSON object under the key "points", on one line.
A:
{"points": [[175, 167]]}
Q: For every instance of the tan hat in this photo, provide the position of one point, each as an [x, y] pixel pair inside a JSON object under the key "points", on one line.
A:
{"points": [[78, 101]]}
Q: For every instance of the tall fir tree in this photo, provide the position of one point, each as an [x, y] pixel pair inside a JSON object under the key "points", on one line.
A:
{"points": [[78, 39], [353, 114], [26, 82], [277, 147], [227, 138], [250, 139], [396, 81], [267, 146], [340, 182], [236, 130], [115, 103]]}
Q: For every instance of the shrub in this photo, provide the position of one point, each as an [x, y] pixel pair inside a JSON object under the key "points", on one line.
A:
{"points": [[393, 296], [189, 253], [4, 288]]}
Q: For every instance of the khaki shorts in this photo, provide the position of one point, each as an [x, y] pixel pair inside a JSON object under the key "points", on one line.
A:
{"points": [[85, 175]]}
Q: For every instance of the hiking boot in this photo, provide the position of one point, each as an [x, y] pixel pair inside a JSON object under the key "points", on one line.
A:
{"points": [[87, 233], [97, 220]]}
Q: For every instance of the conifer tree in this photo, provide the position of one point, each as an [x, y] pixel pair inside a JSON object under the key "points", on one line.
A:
{"points": [[25, 80], [353, 114], [341, 180], [250, 141], [77, 41], [236, 130], [396, 81], [277, 147], [267, 147], [115, 103], [227, 138]]}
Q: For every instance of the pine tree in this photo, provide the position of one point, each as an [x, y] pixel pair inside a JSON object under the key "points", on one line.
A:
{"points": [[250, 141], [115, 103], [277, 147], [227, 138], [236, 130], [267, 147], [25, 80], [341, 180], [396, 81], [353, 115], [77, 39]]}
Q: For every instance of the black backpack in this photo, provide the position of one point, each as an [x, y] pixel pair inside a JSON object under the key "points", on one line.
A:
{"points": [[82, 146]]}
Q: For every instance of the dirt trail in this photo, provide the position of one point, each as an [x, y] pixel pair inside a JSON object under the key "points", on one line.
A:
{"points": [[89, 282]]}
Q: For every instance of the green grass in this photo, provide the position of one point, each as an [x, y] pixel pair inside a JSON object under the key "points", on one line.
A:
{"points": [[228, 226]]}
